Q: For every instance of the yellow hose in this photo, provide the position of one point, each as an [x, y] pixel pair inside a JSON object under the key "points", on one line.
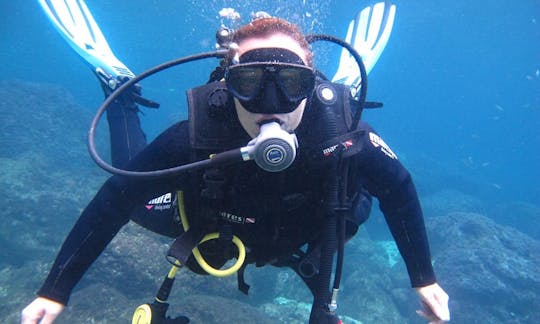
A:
{"points": [[212, 236], [174, 269]]}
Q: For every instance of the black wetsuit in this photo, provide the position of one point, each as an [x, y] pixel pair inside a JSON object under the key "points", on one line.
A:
{"points": [[271, 206]]}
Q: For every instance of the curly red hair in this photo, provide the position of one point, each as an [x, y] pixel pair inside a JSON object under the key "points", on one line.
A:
{"points": [[264, 27]]}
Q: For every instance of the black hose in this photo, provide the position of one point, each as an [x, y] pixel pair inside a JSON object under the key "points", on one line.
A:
{"points": [[322, 292], [341, 226], [157, 173], [363, 74], [341, 183]]}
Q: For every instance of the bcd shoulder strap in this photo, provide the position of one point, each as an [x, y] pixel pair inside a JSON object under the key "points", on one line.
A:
{"points": [[213, 125]]}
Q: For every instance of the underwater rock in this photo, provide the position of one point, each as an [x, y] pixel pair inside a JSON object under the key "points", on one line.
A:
{"points": [[46, 175], [269, 282], [17, 287], [134, 262], [46, 178], [44, 120], [288, 311], [522, 216], [213, 309], [368, 279], [448, 200], [100, 304], [285, 310], [490, 271]]}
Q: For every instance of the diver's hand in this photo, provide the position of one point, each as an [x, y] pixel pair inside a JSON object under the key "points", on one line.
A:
{"points": [[435, 303], [42, 311]]}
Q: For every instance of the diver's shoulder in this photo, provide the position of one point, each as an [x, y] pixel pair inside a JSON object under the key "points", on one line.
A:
{"points": [[363, 125]]}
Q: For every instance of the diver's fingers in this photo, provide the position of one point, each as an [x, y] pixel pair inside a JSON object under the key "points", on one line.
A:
{"points": [[428, 314], [42, 309], [435, 300]]}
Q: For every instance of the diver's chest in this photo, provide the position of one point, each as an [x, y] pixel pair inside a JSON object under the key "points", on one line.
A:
{"points": [[265, 193]]}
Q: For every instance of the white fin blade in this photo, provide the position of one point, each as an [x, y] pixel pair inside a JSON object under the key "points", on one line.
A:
{"points": [[101, 46], [369, 37], [79, 30], [53, 18], [99, 39], [77, 26], [362, 26], [374, 29], [379, 43]]}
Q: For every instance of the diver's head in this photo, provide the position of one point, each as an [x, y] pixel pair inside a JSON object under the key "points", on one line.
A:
{"points": [[273, 76]]}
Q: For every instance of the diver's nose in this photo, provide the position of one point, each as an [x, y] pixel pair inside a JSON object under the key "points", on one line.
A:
{"points": [[270, 99]]}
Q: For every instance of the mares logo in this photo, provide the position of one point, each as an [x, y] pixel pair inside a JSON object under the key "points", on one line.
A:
{"points": [[330, 150], [160, 203], [236, 219]]}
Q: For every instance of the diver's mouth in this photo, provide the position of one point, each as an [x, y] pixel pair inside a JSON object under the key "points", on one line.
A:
{"points": [[270, 120]]}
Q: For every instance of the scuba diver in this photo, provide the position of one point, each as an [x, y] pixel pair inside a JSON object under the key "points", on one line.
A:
{"points": [[306, 194]]}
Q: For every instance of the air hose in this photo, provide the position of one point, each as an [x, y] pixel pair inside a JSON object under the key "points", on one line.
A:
{"points": [[324, 305], [212, 236], [320, 310], [361, 97]]}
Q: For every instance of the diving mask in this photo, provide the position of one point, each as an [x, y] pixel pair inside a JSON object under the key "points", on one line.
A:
{"points": [[270, 80]]}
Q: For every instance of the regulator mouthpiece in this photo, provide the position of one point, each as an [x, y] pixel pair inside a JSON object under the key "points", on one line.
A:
{"points": [[274, 149]]}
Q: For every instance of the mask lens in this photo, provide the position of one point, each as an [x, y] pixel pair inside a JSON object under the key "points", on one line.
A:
{"points": [[244, 82], [297, 83]]}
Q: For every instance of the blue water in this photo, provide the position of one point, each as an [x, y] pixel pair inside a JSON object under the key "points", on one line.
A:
{"points": [[460, 80]]}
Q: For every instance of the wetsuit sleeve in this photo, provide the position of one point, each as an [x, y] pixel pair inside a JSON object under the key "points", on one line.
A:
{"points": [[126, 135], [386, 178], [110, 210]]}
